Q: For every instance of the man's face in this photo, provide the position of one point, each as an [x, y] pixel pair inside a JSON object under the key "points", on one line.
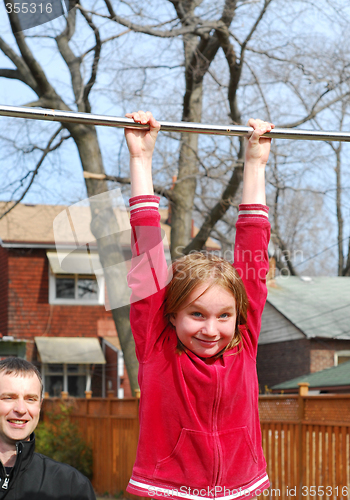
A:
{"points": [[20, 405]]}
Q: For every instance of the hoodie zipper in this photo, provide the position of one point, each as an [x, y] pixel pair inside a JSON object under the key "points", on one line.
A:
{"points": [[215, 425], [5, 484]]}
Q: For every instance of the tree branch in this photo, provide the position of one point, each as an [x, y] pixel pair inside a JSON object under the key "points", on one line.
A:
{"points": [[96, 60], [218, 211], [34, 172], [105, 40], [11, 73], [315, 111], [166, 193], [73, 62], [285, 252], [254, 27], [22, 68], [43, 86], [201, 28]]}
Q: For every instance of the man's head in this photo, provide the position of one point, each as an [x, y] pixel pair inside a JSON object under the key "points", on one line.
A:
{"points": [[20, 399]]}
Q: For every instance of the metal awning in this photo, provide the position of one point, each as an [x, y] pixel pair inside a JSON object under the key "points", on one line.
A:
{"points": [[70, 350], [74, 262]]}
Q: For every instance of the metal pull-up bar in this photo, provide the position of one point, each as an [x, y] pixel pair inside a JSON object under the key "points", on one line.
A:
{"points": [[196, 128]]}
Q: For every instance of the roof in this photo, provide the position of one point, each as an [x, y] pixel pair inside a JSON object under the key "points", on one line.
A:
{"points": [[330, 377], [33, 224], [319, 307], [71, 350]]}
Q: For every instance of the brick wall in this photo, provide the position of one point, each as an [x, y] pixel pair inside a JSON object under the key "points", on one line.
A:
{"points": [[25, 311], [321, 359], [282, 361], [323, 350], [3, 290], [30, 313]]}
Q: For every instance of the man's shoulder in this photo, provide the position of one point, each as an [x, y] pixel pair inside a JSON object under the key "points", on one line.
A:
{"points": [[51, 465]]}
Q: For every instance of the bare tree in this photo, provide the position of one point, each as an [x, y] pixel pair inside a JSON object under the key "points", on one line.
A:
{"points": [[29, 71], [342, 240]]}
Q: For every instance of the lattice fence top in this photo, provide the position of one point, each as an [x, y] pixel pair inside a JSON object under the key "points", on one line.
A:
{"points": [[279, 409], [327, 410]]}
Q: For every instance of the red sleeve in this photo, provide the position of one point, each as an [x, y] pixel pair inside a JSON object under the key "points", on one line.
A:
{"points": [[148, 275], [252, 263]]}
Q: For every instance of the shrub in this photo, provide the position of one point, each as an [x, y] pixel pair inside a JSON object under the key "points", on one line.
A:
{"points": [[59, 438]]}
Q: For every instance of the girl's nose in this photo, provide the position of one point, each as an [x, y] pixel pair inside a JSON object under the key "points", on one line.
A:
{"points": [[210, 328]]}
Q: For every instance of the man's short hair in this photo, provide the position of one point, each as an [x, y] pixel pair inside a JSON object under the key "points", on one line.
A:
{"points": [[18, 366]]}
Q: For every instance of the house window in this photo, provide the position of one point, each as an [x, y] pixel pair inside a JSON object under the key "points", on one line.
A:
{"points": [[341, 357], [76, 289], [81, 281], [72, 378]]}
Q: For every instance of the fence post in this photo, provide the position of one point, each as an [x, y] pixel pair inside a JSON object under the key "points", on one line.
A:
{"points": [[303, 391]]}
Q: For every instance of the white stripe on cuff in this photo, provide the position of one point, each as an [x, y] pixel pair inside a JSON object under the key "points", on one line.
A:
{"points": [[149, 204], [253, 212]]}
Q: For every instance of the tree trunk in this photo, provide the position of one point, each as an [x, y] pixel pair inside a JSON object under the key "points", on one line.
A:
{"points": [[185, 188], [109, 247], [340, 221]]}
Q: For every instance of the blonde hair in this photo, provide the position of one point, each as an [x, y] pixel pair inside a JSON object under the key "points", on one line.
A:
{"points": [[199, 268]]}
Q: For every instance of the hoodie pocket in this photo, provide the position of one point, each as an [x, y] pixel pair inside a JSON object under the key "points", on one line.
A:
{"points": [[239, 459], [191, 463]]}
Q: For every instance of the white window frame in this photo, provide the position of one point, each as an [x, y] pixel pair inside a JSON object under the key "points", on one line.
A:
{"points": [[338, 354], [84, 370], [78, 302]]}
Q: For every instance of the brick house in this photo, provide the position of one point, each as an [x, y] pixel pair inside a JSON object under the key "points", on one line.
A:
{"points": [[54, 312], [305, 328], [54, 318]]}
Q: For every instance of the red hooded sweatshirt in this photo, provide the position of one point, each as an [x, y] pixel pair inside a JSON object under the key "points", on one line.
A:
{"points": [[199, 422]]}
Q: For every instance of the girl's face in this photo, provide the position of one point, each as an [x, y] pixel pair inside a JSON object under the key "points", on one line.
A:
{"points": [[206, 323]]}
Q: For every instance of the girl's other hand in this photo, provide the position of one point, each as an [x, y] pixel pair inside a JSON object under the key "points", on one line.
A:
{"points": [[257, 147], [141, 142]]}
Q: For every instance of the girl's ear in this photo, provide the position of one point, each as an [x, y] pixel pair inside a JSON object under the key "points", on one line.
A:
{"points": [[172, 319]]}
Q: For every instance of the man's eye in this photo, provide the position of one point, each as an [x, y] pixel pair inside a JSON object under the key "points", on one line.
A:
{"points": [[196, 314]]}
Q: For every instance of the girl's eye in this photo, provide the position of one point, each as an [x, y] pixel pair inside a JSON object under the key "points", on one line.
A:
{"points": [[196, 314], [224, 315]]}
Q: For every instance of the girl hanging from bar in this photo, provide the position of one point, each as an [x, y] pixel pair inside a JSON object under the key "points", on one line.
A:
{"points": [[196, 341]]}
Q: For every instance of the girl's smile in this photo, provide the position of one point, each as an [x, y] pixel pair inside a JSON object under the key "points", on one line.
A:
{"points": [[206, 323]]}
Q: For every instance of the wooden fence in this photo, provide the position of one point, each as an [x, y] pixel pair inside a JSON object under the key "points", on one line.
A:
{"points": [[306, 440], [112, 428]]}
